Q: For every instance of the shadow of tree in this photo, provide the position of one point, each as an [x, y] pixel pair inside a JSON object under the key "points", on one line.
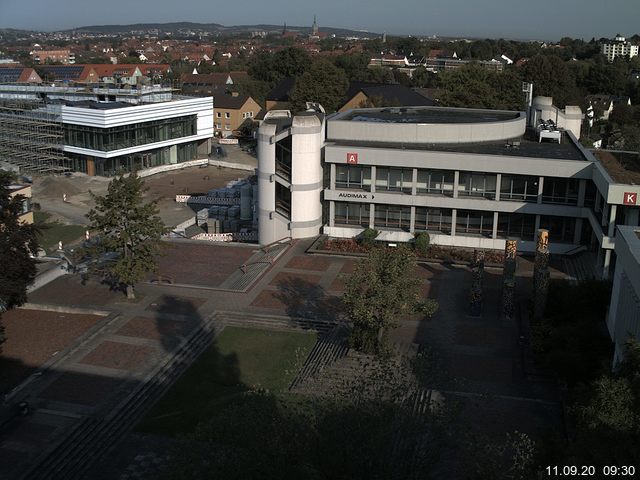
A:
{"points": [[304, 299]]}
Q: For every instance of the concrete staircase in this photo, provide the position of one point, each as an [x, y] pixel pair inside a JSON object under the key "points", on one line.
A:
{"points": [[580, 267], [246, 275], [274, 322]]}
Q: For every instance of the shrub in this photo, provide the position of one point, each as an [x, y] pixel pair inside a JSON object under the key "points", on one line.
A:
{"points": [[422, 243], [368, 236]]}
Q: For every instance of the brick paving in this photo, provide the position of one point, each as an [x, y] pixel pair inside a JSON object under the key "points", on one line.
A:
{"points": [[201, 264], [33, 337], [118, 355], [72, 290], [482, 352]]}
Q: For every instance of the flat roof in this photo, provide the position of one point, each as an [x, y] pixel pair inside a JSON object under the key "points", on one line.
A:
{"points": [[426, 115], [526, 148], [622, 167]]}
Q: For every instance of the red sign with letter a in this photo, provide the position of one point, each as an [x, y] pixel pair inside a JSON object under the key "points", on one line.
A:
{"points": [[630, 198], [352, 158]]}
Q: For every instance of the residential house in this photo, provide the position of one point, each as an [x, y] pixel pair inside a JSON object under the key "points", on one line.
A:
{"points": [[26, 214], [9, 73], [603, 104], [231, 111], [361, 94]]}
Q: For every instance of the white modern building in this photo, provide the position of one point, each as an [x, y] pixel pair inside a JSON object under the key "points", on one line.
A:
{"points": [[100, 130], [471, 178], [623, 320], [619, 47]]}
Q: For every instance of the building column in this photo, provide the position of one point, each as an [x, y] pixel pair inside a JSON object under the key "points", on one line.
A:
{"points": [[373, 179], [540, 190], [414, 184], [456, 181], [332, 177], [577, 233], [613, 209], [372, 214], [605, 267], [454, 218], [494, 234], [605, 215], [332, 213], [596, 204], [582, 188], [537, 227], [498, 186], [412, 221]]}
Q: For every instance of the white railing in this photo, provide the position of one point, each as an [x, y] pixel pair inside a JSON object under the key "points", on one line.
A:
{"points": [[226, 237], [204, 200]]}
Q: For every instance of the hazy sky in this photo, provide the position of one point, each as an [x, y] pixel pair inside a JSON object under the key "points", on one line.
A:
{"points": [[531, 19]]}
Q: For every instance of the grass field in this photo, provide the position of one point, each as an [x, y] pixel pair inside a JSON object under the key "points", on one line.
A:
{"points": [[54, 232], [240, 359]]}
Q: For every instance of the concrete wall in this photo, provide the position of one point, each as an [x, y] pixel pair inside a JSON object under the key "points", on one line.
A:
{"points": [[570, 118]]}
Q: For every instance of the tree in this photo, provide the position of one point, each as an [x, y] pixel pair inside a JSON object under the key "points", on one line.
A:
{"points": [[130, 228], [382, 287], [17, 242], [324, 83]]}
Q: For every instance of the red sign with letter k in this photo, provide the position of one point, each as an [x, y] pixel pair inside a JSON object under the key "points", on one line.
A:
{"points": [[630, 198]]}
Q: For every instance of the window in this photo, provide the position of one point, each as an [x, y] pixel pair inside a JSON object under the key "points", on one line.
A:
{"points": [[433, 220], [516, 225], [394, 179], [561, 229], [520, 188], [392, 216], [218, 126], [351, 214], [227, 127], [218, 115], [227, 115], [349, 176], [251, 114], [244, 115], [435, 182], [477, 185], [473, 222], [560, 190]]}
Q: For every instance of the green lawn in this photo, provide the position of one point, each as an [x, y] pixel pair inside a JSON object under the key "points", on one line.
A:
{"points": [[240, 359], [54, 232]]}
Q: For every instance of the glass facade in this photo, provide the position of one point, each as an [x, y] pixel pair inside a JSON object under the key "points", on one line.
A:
{"points": [[519, 188], [561, 229], [351, 214], [392, 216], [283, 200], [283, 158], [435, 182], [394, 179], [516, 225], [474, 222], [133, 135], [477, 185], [433, 220], [349, 176], [560, 190], [138, 161]]}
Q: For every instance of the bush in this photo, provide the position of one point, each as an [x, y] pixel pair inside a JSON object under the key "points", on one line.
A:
{"points": [[422, 243], [368, 236]]}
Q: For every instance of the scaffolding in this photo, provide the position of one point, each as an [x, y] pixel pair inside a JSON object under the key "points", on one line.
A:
{"points": [[31, 137]]}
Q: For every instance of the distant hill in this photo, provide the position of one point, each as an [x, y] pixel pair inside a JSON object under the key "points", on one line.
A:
{"points": [[215, 28]]}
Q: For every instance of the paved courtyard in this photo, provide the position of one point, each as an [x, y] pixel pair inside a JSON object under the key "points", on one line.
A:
{"points": [[103, 359]]}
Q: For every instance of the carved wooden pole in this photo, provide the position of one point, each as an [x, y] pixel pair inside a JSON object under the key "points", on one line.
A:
{"points": [[509, 278], [476, 286], [541, 274]]}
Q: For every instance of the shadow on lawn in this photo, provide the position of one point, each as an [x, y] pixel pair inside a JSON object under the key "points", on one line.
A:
{"points": [[306, 300]]}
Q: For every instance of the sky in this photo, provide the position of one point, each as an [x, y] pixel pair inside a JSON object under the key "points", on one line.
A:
{"points": [[518, 19]]}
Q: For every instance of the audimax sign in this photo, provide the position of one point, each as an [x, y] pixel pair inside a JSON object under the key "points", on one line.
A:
{"points": [[363, 196]]}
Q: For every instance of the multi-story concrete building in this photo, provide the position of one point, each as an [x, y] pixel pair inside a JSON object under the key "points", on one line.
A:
{"points": [[623, 320], [619, 47], [471, 178], [64, 56]]}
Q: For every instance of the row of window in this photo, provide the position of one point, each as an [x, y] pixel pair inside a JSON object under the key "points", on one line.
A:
{"points": [[520, 188], [228, 115], [219, 126], [439, 220], [115, 138]]}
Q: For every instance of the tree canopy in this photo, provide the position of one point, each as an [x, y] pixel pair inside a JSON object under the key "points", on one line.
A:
{"points": [[17, 243], [383, 286], [129, 227], [324, 83]]}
